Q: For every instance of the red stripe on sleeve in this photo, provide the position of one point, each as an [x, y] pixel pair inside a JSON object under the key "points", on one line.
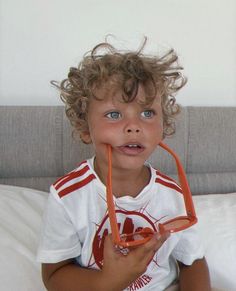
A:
{"points": [[170, 185], [63, 177], [76, 186], [71, 176], [165, 177]]}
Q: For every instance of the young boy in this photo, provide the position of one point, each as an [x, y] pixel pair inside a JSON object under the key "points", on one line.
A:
{"points": [[125, 100]]}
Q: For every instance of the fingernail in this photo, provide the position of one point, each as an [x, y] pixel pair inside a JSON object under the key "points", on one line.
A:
{"points": [[157, 235], [164, 236]]}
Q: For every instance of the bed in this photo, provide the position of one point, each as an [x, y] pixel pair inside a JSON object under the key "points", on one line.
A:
{"points": [[36, 147]]}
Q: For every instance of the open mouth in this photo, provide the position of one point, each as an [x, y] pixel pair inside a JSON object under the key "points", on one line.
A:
{"points": [[131, 148]]}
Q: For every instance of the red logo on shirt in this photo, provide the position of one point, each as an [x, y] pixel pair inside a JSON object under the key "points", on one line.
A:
{"points": [[126, 225]]}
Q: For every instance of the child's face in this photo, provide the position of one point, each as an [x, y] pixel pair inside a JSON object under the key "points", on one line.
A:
{"points": [[132, 129]]}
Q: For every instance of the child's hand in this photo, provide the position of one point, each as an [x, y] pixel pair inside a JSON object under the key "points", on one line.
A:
{"points": [[119, 270]]}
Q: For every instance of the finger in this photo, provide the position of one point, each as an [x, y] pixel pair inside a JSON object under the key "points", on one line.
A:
{"points": [[161, 239], [108, 240], [156, 241], [156, 246], [147, 250], [109, 249]]}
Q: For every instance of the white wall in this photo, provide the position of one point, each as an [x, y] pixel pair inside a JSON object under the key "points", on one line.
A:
{"points": [[41, 39]]}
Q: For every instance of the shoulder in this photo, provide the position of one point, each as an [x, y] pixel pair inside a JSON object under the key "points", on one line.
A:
{"points": [[74, 180], [165, 181]]}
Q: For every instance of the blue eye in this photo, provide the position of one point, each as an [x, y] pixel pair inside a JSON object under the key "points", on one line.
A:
{"points": [[148, 113], [113, 115]]}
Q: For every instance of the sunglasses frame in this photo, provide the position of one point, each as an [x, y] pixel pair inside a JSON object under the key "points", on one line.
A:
{"points": [[147, 233]]}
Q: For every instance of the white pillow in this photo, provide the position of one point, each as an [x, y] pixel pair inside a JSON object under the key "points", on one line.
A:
{"points": [[20, 220]]}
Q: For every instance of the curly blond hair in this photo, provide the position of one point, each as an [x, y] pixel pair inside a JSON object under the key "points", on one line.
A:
{"points": [[125, 71]]}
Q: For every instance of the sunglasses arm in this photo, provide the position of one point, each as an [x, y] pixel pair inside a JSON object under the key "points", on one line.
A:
{"points": [[183, 183], [110, 201]]}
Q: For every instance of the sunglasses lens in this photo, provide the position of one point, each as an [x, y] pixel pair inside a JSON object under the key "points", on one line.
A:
{"points": [[136, 236], [131, 237], [176, 224]]}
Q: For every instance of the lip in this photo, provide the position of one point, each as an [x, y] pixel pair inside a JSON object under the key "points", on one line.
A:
{"points": [[131, 148]]}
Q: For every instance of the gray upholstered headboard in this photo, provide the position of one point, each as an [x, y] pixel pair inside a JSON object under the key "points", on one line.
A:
{"points": [[36, 147]]}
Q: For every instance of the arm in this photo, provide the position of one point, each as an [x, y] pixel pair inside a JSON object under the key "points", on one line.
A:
{"points": [[66, 276], [195, 277], [118, 271]]}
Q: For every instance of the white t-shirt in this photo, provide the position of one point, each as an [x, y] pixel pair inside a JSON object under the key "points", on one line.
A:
{"points": [[76, 223]]}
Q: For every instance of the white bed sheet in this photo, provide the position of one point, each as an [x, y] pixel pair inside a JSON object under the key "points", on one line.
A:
{"points": [[217, 226], [20, 220]]}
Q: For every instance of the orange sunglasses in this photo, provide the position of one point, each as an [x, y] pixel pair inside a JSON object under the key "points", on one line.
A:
{"points": [[173, 225]]}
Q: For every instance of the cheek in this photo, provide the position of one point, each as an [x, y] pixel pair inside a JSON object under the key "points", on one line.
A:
{"points": [[156, 132], [100, 132], [157, 126]]}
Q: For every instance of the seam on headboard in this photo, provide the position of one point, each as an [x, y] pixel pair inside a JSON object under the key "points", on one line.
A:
{"points": [[59, 132], [62, 140], [186, 137], [187, 116]]}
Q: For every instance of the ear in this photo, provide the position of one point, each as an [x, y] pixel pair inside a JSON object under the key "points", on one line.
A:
{"points": [[85, 137]]}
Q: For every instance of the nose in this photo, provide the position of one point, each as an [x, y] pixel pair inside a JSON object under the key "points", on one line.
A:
{"points": [[132, 126], [131, 130]]}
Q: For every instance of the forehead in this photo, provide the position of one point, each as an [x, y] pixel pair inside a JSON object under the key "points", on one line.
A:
{"points": [[116, 94]]}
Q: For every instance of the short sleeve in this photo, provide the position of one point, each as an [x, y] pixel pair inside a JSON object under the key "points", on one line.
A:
{"points": [[59, 240], [189, 248]]}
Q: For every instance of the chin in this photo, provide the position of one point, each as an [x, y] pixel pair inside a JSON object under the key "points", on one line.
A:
{"points": [[129, 163]]}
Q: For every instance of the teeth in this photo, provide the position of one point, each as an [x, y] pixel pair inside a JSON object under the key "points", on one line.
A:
{"points": [[132, 145]]}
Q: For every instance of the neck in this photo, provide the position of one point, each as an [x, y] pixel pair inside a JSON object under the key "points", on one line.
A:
{"points": [[125, 182]]}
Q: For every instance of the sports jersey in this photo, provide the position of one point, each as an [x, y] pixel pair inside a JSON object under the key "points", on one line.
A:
{"points": [[76, 223]]}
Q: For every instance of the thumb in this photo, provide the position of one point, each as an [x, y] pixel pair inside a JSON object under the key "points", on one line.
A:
{"points": [[109, 248], [147, 250]]}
